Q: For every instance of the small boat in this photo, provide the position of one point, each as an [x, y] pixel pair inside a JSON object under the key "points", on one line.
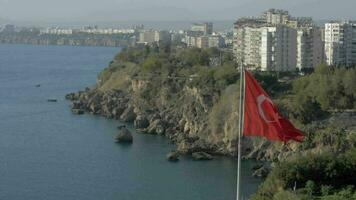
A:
{"points": [[38, 85]]}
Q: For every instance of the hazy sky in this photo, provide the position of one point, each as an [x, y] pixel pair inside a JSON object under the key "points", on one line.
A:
{"points": [[123, 10]]}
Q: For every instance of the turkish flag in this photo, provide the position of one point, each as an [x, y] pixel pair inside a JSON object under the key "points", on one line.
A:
{"points": [[261, 116]]}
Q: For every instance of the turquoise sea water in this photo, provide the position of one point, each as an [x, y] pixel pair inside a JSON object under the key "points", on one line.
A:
{"points": [[46, 153]]}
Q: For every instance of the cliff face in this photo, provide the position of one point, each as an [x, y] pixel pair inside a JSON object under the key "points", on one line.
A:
{"points": [[194, 118]]}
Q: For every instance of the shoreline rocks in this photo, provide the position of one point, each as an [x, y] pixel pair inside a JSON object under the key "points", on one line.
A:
{"points": [[201, 156], [261, 171], [173, 156], [124, 136], [77, 111], [185, 123]]}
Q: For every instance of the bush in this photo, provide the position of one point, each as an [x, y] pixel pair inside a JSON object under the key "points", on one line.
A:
{"points": [[330, 87], [311, 171]]}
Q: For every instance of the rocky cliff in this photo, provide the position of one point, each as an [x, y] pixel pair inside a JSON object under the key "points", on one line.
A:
{"points": [[178, 95], [194, 118]]}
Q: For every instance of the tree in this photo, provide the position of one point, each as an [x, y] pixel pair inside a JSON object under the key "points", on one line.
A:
{"points": [[310, 187], [152, 65]]}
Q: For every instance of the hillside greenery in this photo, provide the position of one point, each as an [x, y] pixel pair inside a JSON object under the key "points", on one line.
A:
{"points": [[325, 176]]}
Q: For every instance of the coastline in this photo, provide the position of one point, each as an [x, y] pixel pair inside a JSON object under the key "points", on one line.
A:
{"points": [[185, 126]]}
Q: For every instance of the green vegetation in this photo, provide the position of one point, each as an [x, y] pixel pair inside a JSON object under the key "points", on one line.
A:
{"points": [[204, 68], [332, 88], [324, 176]]}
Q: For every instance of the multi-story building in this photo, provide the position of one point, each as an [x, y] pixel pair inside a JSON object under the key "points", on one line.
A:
{"points": [[276, 16], [216, 41], [263, 46], [310, 48], [278, 48], [162, 36], [205, 28], [277, 42], [202, 42], [247, 46], [8, 28], [340, 43], [149, 37]]}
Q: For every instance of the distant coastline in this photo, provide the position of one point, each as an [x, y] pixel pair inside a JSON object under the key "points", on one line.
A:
{"points": [[68, 40]]}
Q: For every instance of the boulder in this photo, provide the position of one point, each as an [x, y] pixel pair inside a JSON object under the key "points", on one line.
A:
{"points": [[124, 136], [201, 156], [77, 111], [173, 156]]}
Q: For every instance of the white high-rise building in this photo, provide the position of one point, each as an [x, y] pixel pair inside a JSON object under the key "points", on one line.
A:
{"points": [[247, 42], [278, 48], [277, 42], [340, 43], [276, 16], [265, 47], [151, 36]]}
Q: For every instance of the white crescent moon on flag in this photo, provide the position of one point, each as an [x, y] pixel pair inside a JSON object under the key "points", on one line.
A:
{"points": [[260, 100]]}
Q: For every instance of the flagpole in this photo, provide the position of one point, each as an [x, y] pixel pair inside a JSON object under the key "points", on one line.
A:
{"points": [[241, 113]]}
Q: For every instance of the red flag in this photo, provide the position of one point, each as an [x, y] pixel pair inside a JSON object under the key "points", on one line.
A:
{"points": [[261, 116]]}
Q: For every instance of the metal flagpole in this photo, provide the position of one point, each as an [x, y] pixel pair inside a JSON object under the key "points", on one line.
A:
{"points": [[241, 113]]}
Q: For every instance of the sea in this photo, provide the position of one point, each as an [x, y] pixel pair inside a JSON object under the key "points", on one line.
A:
{"points": [[47, 153]]}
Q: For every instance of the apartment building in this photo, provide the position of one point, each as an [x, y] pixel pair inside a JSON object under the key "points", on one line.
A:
{"points": [[216, 41], [276, 16], [201, 36], [278, 48], [340, 43], [310, 48], [205, 28], [151, 36], [277, 42]]}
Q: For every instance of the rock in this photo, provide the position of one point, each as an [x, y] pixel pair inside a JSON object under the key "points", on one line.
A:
{"points": [[94, 108], [124, 136], [77, 105], [128, 115], [71, 96], [261, 172], [173, 156], [77, 111], [116, 112], [141, 122], [201, 156], [121, 126], [257, 166], [156, 127]]}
